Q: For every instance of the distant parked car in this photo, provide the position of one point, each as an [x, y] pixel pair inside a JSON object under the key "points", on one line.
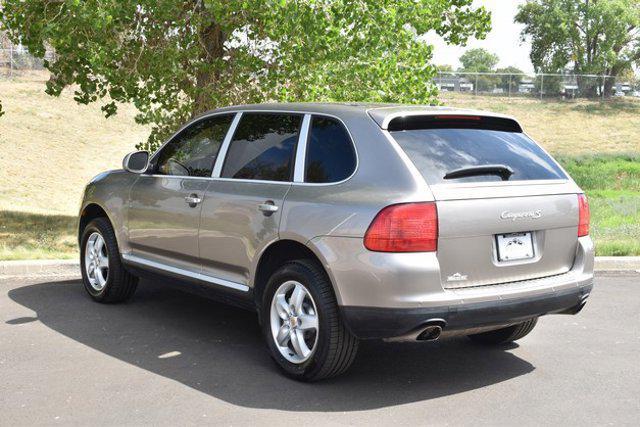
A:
{"points": [[342, 222], [636, 93], [619, 93]]}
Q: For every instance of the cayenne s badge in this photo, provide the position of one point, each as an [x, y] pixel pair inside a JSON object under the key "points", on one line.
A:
{"points": [[513, 216]]}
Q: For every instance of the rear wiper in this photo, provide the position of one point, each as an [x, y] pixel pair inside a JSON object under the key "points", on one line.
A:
{"points": [[504, 172]]}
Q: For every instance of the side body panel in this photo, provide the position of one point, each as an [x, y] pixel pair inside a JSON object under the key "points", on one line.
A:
{"points": [[232, 228], [347, 208], [110, 191], [163, 227]]}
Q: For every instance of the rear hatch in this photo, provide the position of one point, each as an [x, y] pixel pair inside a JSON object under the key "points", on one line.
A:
{"points": [[506, 210]]}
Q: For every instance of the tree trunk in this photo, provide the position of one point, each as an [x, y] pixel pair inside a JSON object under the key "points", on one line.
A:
{"points": [[608, 85], [587, 86], [212, 49]]}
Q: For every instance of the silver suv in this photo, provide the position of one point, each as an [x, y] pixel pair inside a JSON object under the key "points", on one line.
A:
{"points": [[341, 222]]}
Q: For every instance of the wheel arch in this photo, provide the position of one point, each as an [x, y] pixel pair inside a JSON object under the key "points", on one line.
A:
{"points": [[88, 213], [278, 253]]}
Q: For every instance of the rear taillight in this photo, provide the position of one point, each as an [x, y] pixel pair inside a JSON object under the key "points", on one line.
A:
{"points": [[408, 227], [584, 216]]}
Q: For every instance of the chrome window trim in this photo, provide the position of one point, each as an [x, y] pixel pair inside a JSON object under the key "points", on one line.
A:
{"points": [[353, 145], [238, 113], [182, 272], [228, 144], [186, 125], [224, 148], [301, 150], [208, 178]]}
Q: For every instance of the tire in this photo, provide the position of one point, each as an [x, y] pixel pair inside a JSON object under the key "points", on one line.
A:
{"points": [[114, 284], [505, 335], [332, 346]]}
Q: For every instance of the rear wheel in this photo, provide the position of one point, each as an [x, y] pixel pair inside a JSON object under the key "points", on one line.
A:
{"points": [[505, 335], [103, 274], [302, 325]]}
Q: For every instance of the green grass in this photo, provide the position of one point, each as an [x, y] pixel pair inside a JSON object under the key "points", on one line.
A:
{"points": [[35, 236], [612, 184]]}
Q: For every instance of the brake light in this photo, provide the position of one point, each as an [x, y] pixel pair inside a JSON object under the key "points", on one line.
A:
{"points": [[584, 215], [408, 227], [458, 117]]}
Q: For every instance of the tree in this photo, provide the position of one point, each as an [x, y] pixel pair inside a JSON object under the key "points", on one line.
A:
{"points": [[510, 81], [480, 60], [174, 59], [591, 36], [444, 68]]}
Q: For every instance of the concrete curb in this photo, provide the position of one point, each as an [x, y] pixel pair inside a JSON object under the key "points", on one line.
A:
{"points": [[617, 263], [53, 267], [71, 267]]}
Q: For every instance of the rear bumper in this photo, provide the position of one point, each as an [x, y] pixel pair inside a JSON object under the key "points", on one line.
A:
{"points": [[377, 322], [392, 295]]}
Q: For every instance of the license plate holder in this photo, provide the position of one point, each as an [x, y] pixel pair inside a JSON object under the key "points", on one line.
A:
{"points": [[514, 246]]}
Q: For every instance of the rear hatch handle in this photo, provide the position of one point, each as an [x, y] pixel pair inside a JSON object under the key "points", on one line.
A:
{"points": [[503, 171]]}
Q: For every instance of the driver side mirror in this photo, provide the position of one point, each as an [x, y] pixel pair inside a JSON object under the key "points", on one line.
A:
{"points": [[136, 162]]}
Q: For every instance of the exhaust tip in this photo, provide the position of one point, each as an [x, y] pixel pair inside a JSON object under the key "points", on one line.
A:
{"points": [[431, 333]]}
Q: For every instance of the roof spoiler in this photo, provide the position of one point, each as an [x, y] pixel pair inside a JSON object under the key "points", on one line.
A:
{"points": [[453, 121]]}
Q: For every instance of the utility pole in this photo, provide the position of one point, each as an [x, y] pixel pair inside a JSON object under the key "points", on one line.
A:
{"points": [[476, 84]]}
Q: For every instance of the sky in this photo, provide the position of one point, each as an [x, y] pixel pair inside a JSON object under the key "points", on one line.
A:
{"points": [[503, 40]]}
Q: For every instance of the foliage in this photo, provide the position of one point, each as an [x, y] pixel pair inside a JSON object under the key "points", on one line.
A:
{"points": [[550, 85], [593, 37], [510, 82], [444, 68], [480, 60], [174, 59]]}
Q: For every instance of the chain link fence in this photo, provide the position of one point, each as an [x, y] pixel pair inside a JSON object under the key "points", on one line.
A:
{"points": [[541, 85], [16, 62]]}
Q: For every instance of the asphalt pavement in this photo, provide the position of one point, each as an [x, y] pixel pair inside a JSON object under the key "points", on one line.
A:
{"points": [[169, 357]]}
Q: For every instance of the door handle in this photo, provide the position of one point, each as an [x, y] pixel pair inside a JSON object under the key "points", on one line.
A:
{"points": [[268, 208], [192, 200]]}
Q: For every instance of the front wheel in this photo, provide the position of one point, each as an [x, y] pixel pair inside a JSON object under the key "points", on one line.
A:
{"points": [[103, 274], [505, 335], [302, 325]]}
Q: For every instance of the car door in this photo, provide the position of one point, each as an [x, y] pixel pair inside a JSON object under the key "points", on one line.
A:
{"points": [[243, 203], [165, 202]]}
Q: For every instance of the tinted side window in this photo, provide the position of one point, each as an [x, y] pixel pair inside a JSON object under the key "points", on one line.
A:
{"points": [[330, 153], [263, 147], [193, 152]]}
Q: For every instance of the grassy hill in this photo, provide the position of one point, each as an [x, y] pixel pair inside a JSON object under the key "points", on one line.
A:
{"points": [[50, 147], [570, 128]]}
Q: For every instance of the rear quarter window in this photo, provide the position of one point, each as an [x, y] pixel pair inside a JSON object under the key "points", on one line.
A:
{"points": [[330, 153], [435, 152]]}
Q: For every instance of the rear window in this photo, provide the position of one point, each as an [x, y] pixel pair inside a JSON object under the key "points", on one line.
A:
{"points": [[436, 152]]}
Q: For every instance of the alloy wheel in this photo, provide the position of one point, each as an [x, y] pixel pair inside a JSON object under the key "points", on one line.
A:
{"points": [[294, 322], [96, 261]]}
